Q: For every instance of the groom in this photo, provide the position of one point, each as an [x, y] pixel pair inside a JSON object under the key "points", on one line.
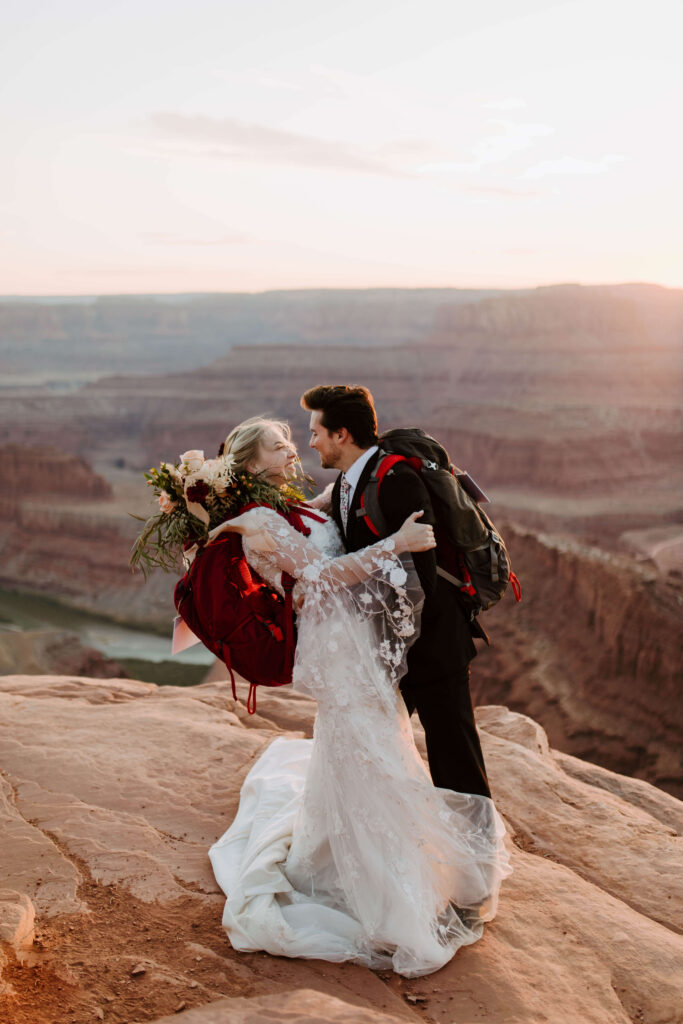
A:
{"points": [[344, 433]]}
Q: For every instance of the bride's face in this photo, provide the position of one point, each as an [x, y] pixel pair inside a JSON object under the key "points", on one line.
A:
{"points": [[277, 457]]}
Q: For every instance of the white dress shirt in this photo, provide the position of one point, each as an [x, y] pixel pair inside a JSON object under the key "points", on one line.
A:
{"points": [[353, 473]]}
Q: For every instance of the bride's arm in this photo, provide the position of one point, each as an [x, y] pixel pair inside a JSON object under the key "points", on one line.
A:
{"points": [[264, 530]]}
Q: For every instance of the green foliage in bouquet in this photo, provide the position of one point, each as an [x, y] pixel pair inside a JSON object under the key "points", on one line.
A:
{"points": [[195, 496]]}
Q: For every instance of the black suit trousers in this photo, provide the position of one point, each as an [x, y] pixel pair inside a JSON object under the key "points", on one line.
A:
{"points": [[444, 708]]}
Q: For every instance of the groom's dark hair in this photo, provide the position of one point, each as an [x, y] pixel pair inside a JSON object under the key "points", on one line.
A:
{"points": [[344, 405]]}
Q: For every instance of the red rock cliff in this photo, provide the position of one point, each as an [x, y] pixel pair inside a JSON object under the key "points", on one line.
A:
{"points": [[593, 651]]}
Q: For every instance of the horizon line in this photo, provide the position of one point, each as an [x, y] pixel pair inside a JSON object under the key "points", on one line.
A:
{"points": [[66, 296]]}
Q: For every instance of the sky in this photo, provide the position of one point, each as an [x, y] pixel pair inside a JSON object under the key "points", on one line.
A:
{"points": [[157, 146]]}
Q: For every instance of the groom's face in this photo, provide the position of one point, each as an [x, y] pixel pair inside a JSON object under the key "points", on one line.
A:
{"points": [[325, 442]]}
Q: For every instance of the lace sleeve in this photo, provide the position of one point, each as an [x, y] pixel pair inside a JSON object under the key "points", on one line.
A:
{"points": [[269, 533], [366, 603]]}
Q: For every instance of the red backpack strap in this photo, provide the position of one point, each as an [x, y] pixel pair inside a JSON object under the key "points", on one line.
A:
{"points": [[387, 463], [292, 515], [369, 508], [304, 510], [250, 505], [226, 659]]}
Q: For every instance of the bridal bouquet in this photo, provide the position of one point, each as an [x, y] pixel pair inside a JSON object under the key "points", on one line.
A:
{"points": [[194, 495]]}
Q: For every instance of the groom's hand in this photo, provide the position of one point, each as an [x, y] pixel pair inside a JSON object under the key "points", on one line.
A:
{"points": [[323, 501]]}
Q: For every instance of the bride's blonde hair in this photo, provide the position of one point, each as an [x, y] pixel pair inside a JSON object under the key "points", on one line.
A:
{"points": [[244, 440]]}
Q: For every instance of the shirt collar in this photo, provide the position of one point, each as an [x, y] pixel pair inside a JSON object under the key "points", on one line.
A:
{"points": [[353, 473]]}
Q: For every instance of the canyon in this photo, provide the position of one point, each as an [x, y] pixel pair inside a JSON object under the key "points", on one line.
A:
{"points": [[564, 403]]}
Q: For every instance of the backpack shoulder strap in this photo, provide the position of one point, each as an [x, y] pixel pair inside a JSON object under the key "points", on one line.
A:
{"points": [[369, 508], [294, 517]]}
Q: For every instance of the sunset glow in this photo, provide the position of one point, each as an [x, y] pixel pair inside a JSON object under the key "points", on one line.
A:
{"points": [[226, 146]]}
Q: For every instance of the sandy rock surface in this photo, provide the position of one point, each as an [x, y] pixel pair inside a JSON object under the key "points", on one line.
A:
{"points": [[111, 792], [302, 1006]]}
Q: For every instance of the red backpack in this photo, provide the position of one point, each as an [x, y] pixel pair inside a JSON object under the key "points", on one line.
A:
{"points": [[236, 615]]}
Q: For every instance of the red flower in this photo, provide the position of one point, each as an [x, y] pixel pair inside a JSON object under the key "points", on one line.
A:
{"points": [[197, 492]]}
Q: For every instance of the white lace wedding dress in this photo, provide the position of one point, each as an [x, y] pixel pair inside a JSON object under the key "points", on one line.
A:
{"points": [[342, 849]]}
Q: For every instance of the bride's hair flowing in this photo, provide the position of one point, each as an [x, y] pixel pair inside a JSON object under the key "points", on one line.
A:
{"points": [[195, 494]]}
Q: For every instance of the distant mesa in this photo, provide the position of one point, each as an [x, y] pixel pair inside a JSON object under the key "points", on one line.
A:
{"points": [[45, 470]]}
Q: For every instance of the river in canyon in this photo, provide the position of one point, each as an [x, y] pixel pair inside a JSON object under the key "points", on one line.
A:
{"points": [[144, 655]]}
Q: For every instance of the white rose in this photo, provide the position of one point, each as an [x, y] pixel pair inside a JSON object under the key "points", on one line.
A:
{"points": [[173, 473], [222, 474], [204, 473], [166, 503], [192, 460]]}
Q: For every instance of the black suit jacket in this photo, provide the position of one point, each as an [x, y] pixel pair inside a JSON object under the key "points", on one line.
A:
{"points": [[445, 646]]}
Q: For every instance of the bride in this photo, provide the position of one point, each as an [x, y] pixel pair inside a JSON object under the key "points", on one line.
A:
{"points": [[342, 849]]}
